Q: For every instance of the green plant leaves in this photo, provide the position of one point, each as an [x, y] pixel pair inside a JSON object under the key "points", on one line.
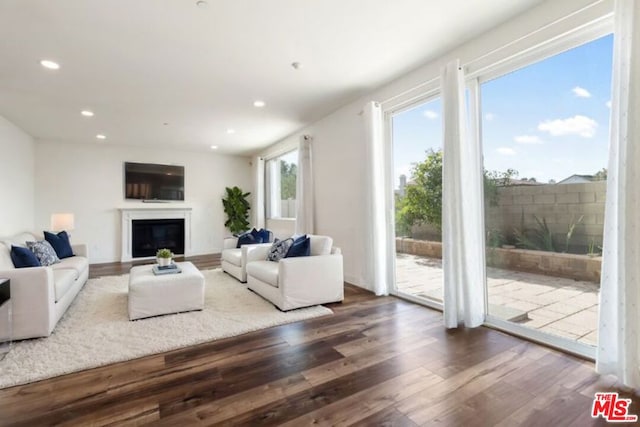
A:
{"points": [[237, 207]]}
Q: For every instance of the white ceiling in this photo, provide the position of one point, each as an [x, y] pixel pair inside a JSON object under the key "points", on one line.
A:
{"points": [[141, 63]]}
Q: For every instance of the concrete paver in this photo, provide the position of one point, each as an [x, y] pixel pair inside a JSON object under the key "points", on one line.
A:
{"points": [[559, 306]]}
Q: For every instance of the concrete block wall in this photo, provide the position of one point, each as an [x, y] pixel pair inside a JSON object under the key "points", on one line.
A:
{"points": [[559, 205]]}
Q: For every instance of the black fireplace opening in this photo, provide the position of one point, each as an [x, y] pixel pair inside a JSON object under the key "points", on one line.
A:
{"points": [[149, 235]]}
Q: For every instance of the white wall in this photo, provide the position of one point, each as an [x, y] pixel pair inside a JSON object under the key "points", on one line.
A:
{"points": [[88, 181], [17, 183], [338, 139]]}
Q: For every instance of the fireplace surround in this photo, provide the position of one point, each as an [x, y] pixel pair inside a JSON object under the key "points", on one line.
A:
{"points": [[146, 221]]}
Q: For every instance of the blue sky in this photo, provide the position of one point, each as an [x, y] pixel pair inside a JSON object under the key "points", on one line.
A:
{"points": [[548, 120]]}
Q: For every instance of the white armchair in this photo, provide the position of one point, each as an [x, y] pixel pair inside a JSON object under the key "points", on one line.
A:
{"points": [[234, 260], [301, 281]]}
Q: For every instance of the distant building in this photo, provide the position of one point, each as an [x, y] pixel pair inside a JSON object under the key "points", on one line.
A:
{"points": [[403, 185], [578, 179], [516, 182]]}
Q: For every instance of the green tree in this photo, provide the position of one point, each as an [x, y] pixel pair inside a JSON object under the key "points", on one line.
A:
{"points": [[422, 201], [601, 175], [288, 173]]}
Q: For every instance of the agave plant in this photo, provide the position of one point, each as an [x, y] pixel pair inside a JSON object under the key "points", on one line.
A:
{"points": [[237, 207]]}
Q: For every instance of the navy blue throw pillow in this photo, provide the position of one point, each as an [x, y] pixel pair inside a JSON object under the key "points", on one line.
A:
{"points": [[257, 236], [23, 257], [265, 235], [60, 243], [246, 239], [300, 247]]}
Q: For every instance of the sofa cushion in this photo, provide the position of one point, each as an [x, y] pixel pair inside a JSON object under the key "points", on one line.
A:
{"points": [[63, 279], [300, 247], [22, 239], [60, 243], [23, 257], [321, 245], [279, 249], [265, 271], [77, 264], [232, 256], [44, 252]]}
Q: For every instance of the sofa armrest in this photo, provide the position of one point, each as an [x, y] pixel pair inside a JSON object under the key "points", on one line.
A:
{"points": [[32, 301], [311, 280], [80, 249], [257, 252], [229, 243]]}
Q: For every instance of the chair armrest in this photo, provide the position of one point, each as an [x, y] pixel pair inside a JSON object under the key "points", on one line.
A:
{"points": [[312, 278], [229, 242], [256, 252], [32, 300], [80, 249], [246, 249]]}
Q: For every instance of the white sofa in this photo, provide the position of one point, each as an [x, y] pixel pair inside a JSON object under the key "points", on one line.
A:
{"points": [[41, 295], [234, 260], [301, 281]]}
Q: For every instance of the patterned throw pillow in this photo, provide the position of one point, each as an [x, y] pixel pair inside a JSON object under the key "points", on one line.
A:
{"points": [[279, 249], [44, 252]]}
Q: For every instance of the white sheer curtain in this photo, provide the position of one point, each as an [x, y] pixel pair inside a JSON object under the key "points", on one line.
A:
{"points": [[619, 318], [304, 188], [258, 192], [375, 228], [462, 228]]}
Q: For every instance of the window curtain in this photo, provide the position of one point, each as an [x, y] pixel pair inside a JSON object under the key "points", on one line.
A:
{"points": [[274, 199], [619, 316], [462, 220], [304, 188], [258, 192], [375, 227]]}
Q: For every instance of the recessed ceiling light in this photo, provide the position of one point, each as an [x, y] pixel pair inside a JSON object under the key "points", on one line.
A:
{"points": [[49, 64], [230, 131], [87, 113], [259, 104], [101, 136], [202, 4], [214, 147]]}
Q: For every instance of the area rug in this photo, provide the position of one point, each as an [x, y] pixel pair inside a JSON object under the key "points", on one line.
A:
{"points": [[96, 330]]}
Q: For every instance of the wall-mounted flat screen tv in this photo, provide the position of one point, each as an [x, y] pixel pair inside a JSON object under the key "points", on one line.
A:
{"points": [[148, 181]]}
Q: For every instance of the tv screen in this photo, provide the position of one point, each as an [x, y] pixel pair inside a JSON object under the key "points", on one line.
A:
{"points": [[147, 181]]}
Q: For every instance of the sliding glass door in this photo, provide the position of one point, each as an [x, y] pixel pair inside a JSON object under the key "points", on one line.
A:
{"points": [[417, 174], [545, 132]]}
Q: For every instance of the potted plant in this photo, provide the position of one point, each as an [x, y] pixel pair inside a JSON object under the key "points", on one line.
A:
{"points": [[163, 257], [237, 207]]}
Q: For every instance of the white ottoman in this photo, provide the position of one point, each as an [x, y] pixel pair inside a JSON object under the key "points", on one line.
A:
{"points": [[151, 295]]}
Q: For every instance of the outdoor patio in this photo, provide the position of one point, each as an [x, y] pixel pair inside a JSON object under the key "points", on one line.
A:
{"points": [[563, 307]]}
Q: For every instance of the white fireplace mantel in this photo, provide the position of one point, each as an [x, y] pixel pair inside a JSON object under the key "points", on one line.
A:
{"points": [[128, 215]]}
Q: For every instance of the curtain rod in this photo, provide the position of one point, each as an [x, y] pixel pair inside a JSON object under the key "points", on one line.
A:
{"points": [[534, 32], [498, 49]]}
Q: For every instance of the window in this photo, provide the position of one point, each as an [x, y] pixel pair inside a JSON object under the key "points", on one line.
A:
{"points": [[280, 181], [417, 174], [545, 135]]}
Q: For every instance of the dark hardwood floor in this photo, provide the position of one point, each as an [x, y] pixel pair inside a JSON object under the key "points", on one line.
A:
{"points": [[376, 361]]}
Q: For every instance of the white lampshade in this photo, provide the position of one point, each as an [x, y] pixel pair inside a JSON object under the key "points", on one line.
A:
{"points": [[62, 221]]}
